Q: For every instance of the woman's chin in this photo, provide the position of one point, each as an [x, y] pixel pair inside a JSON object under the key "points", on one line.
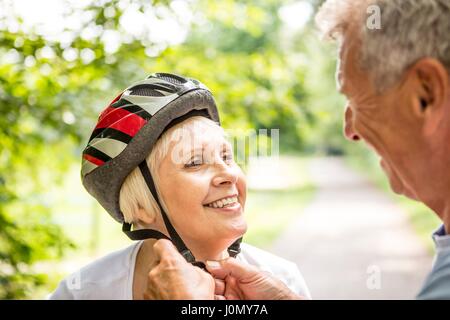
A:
{"points": [[239, 228], [232, 230], [230, 222]]}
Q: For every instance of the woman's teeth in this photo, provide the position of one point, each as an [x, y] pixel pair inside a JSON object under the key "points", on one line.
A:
{"points": [[225, 202]]}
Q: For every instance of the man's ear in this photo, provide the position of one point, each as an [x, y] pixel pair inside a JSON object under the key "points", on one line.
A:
{"points": [[431, 94]]}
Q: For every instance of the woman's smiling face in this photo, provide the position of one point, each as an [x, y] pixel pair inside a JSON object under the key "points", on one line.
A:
{"points": [[203, 189]]}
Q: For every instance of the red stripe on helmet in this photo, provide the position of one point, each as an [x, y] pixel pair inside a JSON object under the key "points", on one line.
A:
{"points": [[92, 159], [111, 115], [130, 124], [121, 120]]}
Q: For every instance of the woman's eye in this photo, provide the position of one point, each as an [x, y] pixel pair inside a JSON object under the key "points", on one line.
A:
{"points": [[227, 157], [195, 162]]}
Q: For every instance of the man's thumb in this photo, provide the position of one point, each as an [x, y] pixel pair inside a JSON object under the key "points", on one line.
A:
{"points": [[230, 267], [165, 250]]}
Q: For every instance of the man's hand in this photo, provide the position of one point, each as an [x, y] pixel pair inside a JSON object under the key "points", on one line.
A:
{"points": [[246, 282], [175, 279]]}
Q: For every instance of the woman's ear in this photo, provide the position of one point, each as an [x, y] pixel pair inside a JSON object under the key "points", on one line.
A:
{"points": [[144, 217], [431, 92]]}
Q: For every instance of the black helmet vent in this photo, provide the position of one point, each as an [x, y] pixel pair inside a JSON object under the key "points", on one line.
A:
{"points": [[146, 90], [171, 78]]}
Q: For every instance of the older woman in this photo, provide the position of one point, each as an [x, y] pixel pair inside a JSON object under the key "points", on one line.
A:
{"points": [[159, 162]]}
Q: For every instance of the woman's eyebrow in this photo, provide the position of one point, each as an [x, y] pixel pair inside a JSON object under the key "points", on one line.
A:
{"points": [[206, 145], [194, 151]]}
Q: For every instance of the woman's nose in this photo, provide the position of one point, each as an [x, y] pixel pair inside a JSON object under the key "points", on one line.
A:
{"points": [[349, 131], [225, 175]]}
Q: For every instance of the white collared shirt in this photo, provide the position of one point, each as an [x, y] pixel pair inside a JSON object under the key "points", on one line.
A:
{"points": [[111, 277]]}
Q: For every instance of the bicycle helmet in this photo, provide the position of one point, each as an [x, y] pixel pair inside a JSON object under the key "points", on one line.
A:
{"points": [[125, 134]]}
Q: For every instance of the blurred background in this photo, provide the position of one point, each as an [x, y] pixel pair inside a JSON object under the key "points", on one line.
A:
{"points": [[323, 203]]}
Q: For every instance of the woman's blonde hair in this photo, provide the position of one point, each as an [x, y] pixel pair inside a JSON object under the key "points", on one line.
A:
{"points": [[134, 193]]}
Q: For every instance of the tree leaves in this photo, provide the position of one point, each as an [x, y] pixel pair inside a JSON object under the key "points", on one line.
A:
{"points": [[53, 88]]}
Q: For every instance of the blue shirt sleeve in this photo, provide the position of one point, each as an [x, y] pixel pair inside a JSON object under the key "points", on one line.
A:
{"points": [[437, 284]]}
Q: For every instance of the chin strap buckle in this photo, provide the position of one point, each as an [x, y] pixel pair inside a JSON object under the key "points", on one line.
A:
{"points": [[233, 252], [235, 248]]}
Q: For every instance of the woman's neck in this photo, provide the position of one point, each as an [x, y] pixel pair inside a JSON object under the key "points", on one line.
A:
{"points": [[146, 255], [207, 252], [146, 261], [202, 252]]}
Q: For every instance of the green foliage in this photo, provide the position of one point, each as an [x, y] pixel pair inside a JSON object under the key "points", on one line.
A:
{"points": [[52, 90]]}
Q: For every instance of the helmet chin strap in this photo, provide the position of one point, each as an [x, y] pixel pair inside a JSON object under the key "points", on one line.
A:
{"points": [[143, 234]]}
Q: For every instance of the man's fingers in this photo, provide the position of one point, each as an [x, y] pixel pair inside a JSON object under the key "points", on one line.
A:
{"points": [[232, 267], [219, 286], [219, 297], [231, 296], [165, 250], [232, 290]]}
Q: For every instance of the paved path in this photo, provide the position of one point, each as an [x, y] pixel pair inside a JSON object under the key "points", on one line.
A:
{"points": [[349, 235]]}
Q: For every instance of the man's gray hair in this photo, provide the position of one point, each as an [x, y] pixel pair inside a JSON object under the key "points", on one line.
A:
{"points": [[410, 30]]}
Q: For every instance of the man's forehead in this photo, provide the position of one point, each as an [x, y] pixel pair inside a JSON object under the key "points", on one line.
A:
{"points": [[338, 76], [346, 64]]}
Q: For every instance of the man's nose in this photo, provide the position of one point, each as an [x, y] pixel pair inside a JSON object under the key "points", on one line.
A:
{"points": [[349, 131]]}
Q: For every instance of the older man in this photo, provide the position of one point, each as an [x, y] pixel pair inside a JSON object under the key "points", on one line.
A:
{"points": [[396, 80]]}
